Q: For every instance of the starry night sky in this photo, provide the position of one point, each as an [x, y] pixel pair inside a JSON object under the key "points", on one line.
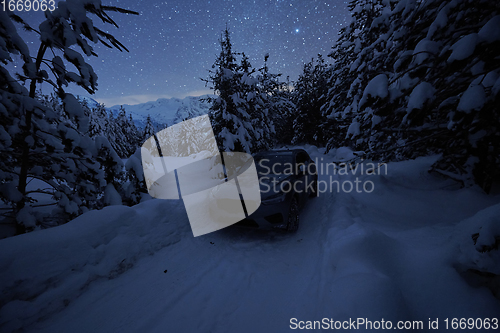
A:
{"points": [[174, 43]]}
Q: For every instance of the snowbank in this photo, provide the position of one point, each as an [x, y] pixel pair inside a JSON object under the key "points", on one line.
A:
{"points": [[392, 254], [479, 238], [41, 272]]}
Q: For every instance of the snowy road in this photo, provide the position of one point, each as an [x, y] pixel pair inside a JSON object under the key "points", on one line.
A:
{"points": [[386, 255]]}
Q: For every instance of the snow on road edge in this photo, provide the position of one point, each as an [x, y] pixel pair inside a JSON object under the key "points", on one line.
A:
{"points": [[41, 272]]}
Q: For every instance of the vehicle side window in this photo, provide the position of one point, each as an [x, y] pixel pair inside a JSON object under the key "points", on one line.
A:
{"points": [[302, 159], [297, 159], [312, 166]]}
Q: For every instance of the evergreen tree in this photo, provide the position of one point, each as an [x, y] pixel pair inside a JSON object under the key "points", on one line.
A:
{"points": [[36, 142], [132, 136], [358, 57], [135, 189], [86, 108], [240, 114], [117, 133], [112, 165], [149, 129], [310, 90], [282, 112], [227, 121], [449, 100], [98, 121], [121, 131], [278, 103], [252, 102], [429, 85]]}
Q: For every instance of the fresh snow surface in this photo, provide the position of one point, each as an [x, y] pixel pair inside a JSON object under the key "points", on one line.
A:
{"points": [[111, 196], [377, 87], [464, 47], [423, 49], [423, 92], [490, 32], [472, 99], [392, 254], [353, 130]]}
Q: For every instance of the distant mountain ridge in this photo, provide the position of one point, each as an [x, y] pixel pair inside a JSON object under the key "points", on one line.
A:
{"points": [[165, 112]]}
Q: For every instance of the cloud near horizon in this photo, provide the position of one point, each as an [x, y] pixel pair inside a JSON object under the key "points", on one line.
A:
{"points": [[139, 99]]}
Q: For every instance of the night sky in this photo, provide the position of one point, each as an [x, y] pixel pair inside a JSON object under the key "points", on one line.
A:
{"points": [[174, 43]]}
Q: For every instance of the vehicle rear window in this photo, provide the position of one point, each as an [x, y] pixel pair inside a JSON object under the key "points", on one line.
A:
{"points": [[278, 163]]}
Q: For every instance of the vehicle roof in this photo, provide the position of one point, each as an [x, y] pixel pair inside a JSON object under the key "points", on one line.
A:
{"points": [[280, 151]]}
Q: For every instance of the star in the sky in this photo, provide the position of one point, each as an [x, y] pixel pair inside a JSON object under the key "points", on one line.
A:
{"points": [[174, 43]]}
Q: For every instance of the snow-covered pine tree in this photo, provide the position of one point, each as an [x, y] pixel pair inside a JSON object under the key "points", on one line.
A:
{"points": [[53, 102], [149, 129], [36, 143], [189, 141], [112, 165], [229, 124], [85, 107], [132, 136], [97, 121], [450, 103], [281, 109], [12, 99], [111, 130], [135, 188], [116, 132], [430, 85], [277, 107], [239, 115], [253, 100], [358, 57], [308, 97], [121, 131]]}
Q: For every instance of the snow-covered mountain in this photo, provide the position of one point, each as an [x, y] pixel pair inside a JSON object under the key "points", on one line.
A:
{"points": [[165, 111], [92, 103]]}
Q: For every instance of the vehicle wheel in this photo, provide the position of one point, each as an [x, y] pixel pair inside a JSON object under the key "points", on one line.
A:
{"points": [[293, 216], [314, 192]]}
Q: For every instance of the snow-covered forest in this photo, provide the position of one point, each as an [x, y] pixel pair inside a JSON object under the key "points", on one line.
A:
{"points": [[411, 83], [409, 79]]}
